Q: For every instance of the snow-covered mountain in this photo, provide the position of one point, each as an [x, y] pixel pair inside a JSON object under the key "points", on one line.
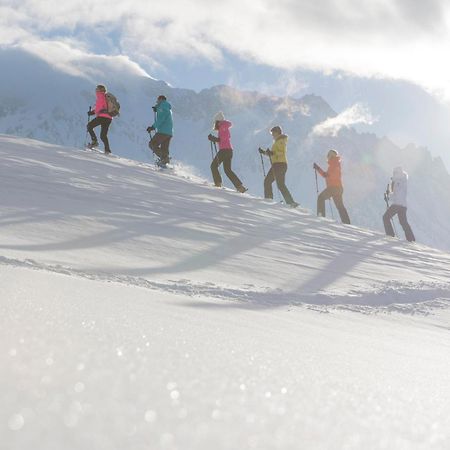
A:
{"points": [[38, 100], [146, 309]]}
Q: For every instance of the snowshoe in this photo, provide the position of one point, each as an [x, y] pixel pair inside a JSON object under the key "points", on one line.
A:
{"points": [[162, 162]]}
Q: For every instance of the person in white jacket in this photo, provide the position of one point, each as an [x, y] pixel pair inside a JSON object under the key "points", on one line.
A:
{"points": [[398, 194]]}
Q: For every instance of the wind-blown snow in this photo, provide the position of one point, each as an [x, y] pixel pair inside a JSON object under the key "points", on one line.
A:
{"points": [[146, 309]]}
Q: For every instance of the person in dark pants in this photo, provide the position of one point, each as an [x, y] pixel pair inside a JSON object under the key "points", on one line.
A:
{"points": [[398, 194], [277, 172], [225, 153], [103, 119], [334, 188], [164, 129]]}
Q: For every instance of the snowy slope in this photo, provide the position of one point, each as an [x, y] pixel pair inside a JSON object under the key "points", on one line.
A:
{"points": [[146, 309], [51, 106]]}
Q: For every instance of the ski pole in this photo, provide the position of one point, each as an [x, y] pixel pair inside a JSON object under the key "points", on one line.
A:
{"points": [[212, 150]]}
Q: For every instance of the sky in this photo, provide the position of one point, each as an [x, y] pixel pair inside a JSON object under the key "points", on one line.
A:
{"points": [[387, 56]]}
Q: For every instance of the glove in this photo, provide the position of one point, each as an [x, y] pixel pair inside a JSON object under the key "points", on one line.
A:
{"points": [[150, 129], [91, 112], [262, 151], [210, 136], [269, 152], [315, 166]]}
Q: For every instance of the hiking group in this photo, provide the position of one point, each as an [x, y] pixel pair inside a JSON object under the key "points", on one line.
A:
{"points": [[106, 107]]}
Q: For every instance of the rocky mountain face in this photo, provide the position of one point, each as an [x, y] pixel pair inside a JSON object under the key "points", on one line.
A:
{"points": [[39, 101]]}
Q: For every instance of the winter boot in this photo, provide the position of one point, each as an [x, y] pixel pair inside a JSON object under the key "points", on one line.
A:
{"points": [[293, 204], [93, 144], [161, 163], [241, 189]]}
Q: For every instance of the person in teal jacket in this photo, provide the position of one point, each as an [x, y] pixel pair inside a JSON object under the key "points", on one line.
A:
{"points": [[163, 125]]}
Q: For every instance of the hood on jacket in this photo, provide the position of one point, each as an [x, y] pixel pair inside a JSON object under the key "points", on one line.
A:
{"points": [[399, 173], [282, 136], [164, 105], [334, 161]]}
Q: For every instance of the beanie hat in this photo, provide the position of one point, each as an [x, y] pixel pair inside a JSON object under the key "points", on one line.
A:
{"points": [[101, 87], [219, 117], [277, 129], [332, 153]]}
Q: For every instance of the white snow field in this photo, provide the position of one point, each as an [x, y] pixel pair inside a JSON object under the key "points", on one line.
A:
{"points": [[145, 309]]}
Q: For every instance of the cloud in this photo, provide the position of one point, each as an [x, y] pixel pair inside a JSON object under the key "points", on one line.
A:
{"points": [[70, 57], [398, 39], [356, 114]]}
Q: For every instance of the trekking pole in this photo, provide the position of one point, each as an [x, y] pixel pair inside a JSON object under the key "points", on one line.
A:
{"points": [[262, 162], [317, 183], [386, 199], [87, 132], [215, 150], [329, 200], [331, 208], [151, 137], [279, 196], [215, 147]]}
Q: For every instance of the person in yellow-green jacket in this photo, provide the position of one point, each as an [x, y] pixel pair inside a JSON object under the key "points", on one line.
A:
{"points": [[277, 172]]}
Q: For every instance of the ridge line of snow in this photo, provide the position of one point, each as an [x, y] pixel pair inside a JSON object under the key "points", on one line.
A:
{"points": [[412, 298]]}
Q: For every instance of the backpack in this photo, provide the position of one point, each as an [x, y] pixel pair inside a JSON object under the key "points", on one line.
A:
{"points": [[113, 105]]}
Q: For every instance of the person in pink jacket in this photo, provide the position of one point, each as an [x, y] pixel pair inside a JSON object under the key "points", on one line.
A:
{"points": [[225, 153], [102, 119]]}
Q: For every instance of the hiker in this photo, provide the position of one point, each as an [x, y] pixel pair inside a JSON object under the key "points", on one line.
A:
{"points": [[225, 153], [334, 187], [397, 194], [102, 119], [163, 125], [277, 172]]}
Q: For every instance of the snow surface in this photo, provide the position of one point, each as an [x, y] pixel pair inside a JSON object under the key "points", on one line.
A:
{"points": [[145, 309], [51, 106]]}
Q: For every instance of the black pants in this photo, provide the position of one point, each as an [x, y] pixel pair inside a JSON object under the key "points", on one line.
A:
{"points": [[401, 212], [225, 157], [277, 173], [104, 122], [160, 146], [336, 194]]}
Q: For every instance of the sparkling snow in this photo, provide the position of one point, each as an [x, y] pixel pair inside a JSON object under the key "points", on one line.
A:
{"points": [[143, 309]]}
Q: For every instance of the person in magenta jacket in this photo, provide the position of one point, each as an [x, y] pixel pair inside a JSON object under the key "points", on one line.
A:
{"points": [[102, 119], [225, 153]]}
